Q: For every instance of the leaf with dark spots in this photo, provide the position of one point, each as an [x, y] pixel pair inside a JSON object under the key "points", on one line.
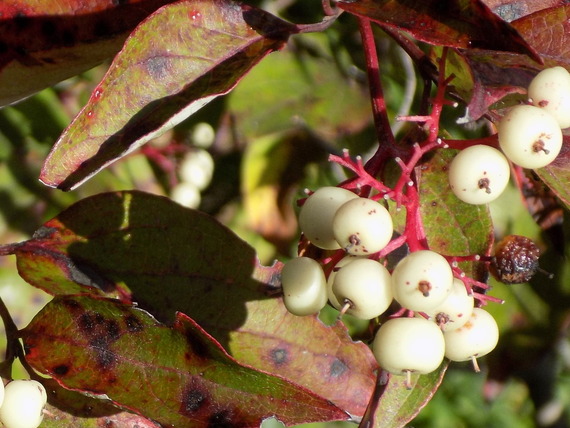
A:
{"points": [[453, 227], [205, 47], [158, 381], [467, 24], [167, 258], [43, 43]]}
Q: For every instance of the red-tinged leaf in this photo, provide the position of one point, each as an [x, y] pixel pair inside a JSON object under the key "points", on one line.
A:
{"points": [[453, 227], [557, 174], [175, 259], [175, 62], [509, 10], [465, 24], [45, 42], [393, 405], [175, 376]]}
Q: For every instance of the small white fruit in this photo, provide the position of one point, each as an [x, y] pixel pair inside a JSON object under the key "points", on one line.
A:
{"points": [[316, 215], [197, 168], [304, 286], [362, 226], [550, 90], [186, 194], [409, 345], [477, 337], [479, 174], [422, 280], [365, 285], [455, 310], [330, 281], [23, 405], [529, 136]]}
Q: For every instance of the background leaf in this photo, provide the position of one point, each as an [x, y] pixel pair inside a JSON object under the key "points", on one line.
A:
{"points": [[154, 83], [557, 174], [181, 378], [43, 43]]}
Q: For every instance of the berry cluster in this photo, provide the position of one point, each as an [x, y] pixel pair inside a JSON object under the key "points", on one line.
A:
{"points": [[22, 403], [530, 136], [428, 309]]}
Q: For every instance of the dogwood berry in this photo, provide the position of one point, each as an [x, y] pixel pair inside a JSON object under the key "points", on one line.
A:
{"points": [[304, 286], [550, 90]]}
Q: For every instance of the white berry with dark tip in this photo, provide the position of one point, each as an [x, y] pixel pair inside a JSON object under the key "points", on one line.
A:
{"points": [[362, 226], [479, 174], [550, 90], [316, 215], [530, 136]]}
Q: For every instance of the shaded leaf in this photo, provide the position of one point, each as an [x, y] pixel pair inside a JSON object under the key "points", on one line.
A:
{"points": [[459, 23], [453, 227], [183, 379], [204, 49], [175, 259], [45, 42], [393, 405], [509, 10]]}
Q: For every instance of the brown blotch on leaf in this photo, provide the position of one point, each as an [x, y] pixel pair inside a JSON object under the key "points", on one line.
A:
{"points": [[338, 368], [61, 370], [279, 356], [221, 419], [134, 325], [193, 399]]}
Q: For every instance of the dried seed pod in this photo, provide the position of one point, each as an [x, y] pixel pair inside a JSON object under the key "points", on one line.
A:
{"points": [[515, 260]]}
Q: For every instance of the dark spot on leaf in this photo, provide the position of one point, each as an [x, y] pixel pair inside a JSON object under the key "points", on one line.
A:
{"points": [[221, 419], [192, 400], [68, 38], [21, 21], [198, 347], [61, 370], [279, 356], [48, 29], [134, 325], [105, 358], [338, 368], [71, 304], [113, 330], [87, 322], [158, 67]]}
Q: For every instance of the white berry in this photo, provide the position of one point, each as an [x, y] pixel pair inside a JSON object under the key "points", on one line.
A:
{"points": [[365, 286], [479, 174], [304, 286], [316, 215], [23, 405], [550, 90], [330, 281], [529, 136], [455, 310], [197, 168], [404, 345], [422, 280], [186, 194], [477, 337], [362, 226]]}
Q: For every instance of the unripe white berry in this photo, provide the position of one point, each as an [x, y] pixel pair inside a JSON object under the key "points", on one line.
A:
{"points": [[406, 345], [550, 90], [197, 168], [422, 280], [304, 286], [455, 310], [330, 281], [203, 135], [477, 337], [23, 404], [186, 194], [479, 174], [366, 286], [316, 215], [529, 136], [362, 226]]}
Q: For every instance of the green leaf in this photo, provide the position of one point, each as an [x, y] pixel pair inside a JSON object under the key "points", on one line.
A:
{"points": [[46, 42], [167, 258], [393, 405], [453, 227], [467, 24], [202, 50], [180, 378]]}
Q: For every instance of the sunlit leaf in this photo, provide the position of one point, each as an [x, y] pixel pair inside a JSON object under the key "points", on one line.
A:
{"points": [[45, 42], [204, 49], [176, 376]]}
